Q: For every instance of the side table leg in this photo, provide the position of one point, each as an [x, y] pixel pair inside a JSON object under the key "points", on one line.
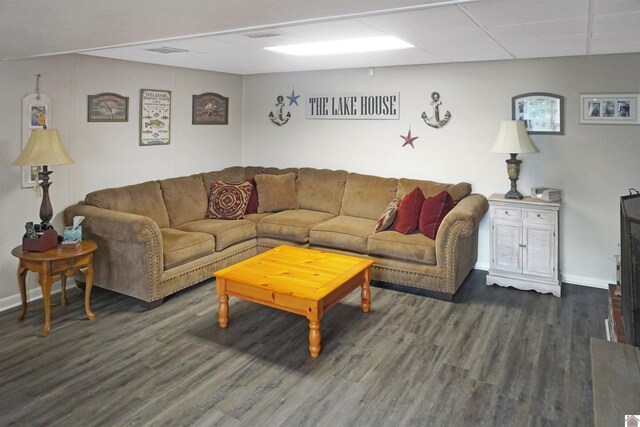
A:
{"points": [[223, 302], [365, 293], [45, 285], [88, 274], [314, 338], [22, 284], [63, 289]]}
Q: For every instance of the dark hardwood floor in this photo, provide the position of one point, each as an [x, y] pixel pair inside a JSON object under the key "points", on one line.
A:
{"points": [[494, 357]]}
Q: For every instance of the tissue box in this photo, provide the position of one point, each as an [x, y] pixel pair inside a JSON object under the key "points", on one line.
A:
{"points": [[71, 234]]}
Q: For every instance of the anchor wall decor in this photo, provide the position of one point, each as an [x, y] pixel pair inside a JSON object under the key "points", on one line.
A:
{"points": [[279, 118], [434, 120]]}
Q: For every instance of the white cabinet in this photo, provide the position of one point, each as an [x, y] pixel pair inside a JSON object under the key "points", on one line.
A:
{"points": [[524, 244]]}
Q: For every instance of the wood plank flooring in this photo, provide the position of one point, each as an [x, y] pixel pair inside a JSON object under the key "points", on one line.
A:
{"points": [[495, 357]]}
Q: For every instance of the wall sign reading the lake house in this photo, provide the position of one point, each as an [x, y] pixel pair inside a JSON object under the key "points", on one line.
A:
{"points": [[349, 106]]}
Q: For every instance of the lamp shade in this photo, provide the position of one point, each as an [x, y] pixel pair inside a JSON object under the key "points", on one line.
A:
{"points": [[513, 138], [44, 148]]}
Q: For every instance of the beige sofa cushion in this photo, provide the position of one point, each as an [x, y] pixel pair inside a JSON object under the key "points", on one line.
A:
{"points": [[185, 199], [367, 196], [430, 188], [227, 232], [409, 247], [321, 189], [292, 225], [343, 232], [180, 247], [276, 192], [252, 171], [141, 199], [231, 174]]}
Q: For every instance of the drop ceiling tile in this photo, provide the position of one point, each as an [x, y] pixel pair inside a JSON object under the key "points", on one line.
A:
{"points": [[467, 45], [421, 22], [617, 22], [549, 46], [616, 42], [607, 7], [511, 12], [540, 29]]}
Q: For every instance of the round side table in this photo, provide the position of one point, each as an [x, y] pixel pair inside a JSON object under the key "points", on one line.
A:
{"points": [[54, 262]]}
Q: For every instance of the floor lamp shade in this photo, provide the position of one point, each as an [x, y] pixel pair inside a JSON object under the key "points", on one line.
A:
{"points": [[44, 148], [513, 139]]}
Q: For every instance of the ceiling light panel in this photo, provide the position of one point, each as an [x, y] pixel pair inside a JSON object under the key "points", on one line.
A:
{"points": [[339, 47]]}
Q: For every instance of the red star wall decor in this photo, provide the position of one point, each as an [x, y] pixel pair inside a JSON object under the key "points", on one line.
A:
{"points": [[408, 140]]}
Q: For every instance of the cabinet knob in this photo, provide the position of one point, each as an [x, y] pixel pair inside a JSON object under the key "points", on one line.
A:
{"points": [[506, 212], [522, 245], [538, 215]]}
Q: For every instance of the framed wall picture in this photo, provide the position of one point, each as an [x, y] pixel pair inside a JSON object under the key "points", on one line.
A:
{"points": [[108, 107], [609, 109], [543, 113], [36, 114], [210, 109], [155, 117]]}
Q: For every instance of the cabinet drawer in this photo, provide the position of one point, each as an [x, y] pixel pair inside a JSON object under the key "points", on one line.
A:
{"points": [[63, 265], [539, 216], [507, 212]]}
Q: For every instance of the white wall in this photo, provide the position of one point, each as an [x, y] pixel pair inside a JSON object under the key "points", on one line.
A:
{"points": [[106, 154], [592, 164]]}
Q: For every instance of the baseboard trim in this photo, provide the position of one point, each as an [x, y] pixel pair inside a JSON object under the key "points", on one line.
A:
{"points": [[566, 278], [585, 281], [32, 295]]}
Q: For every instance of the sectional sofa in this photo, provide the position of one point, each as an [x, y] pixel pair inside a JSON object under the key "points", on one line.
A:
{"points": [[153, 238]]}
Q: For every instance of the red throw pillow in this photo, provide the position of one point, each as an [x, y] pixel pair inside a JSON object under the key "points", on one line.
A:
{"points": [[252, 206], [434, 209], [409, 209]]}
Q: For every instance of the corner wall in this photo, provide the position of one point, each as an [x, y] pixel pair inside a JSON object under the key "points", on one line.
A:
{"points": [[106, 154], [592, 164]]}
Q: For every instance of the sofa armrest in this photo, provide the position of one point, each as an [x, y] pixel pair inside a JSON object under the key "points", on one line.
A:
{"points": [[460, 224], [129, 258], [467, 214]]}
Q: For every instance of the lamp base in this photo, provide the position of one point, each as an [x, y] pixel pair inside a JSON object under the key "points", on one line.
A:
{"points": [[513, 194], [513, 170]]}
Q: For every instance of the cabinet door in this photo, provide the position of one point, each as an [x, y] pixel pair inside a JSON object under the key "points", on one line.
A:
{"points": [[507, 253], [539, 250]]}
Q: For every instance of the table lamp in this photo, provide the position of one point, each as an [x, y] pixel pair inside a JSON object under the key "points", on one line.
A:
{"points": [[44, 149], [513, 139]]}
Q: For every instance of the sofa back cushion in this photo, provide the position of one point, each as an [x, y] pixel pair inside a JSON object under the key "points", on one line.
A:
{"points": [[430, 188], [321, 189], [251, 171], [141, 199], [367, 196], [230, 174], [185, 199]]}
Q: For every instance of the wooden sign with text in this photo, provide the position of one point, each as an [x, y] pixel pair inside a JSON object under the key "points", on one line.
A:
{"points": [[380, 106]]}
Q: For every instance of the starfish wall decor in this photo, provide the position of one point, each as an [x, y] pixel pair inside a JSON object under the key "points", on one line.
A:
{"points": [[293, 99], [408, 140]]}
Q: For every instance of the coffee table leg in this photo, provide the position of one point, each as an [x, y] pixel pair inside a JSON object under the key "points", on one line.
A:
{"points": [[314, 338], [223, 303], [366, 291]]}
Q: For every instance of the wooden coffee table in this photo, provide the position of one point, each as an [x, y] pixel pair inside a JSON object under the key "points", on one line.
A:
{"points": [[302, 281]]}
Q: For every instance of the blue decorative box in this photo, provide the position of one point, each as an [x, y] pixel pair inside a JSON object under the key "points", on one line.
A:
{"points": [[71, 234]]}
